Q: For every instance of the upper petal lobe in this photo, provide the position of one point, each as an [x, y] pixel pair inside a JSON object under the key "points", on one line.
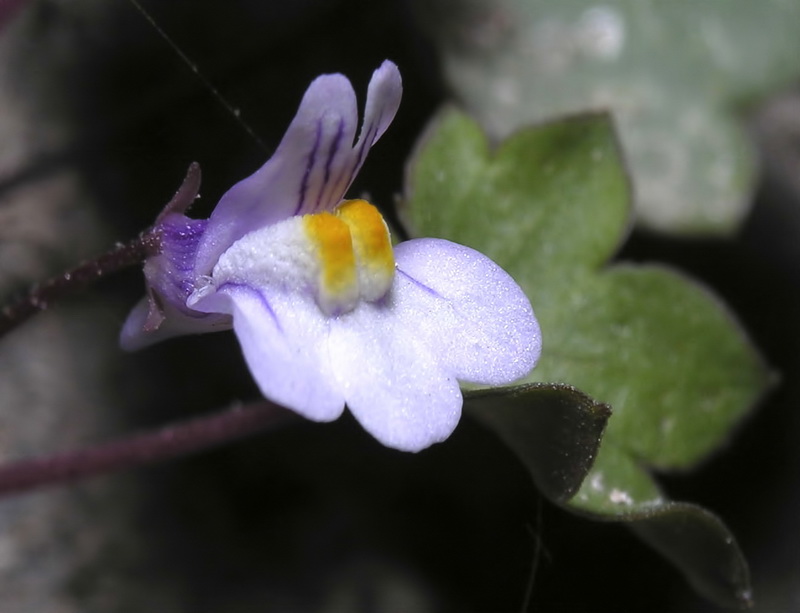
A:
{"points": [[314, 164]]}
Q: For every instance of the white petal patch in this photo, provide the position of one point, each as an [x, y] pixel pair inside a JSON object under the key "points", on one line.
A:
{"points": [[280, 256]]}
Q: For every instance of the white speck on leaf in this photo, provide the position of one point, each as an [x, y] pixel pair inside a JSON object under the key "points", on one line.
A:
{"points": [[620, 497]]}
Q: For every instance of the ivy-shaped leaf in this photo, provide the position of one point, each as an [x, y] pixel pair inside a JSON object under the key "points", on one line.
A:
{"points": [[550, 205], [674, 73]]}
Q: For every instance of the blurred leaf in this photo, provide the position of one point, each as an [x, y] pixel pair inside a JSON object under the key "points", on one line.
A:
{"points": [[699, 544], [689, 536], [550, 206], [674, 74], [554, 429]]}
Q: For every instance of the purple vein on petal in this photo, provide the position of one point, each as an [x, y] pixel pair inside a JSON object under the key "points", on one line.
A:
{"points": [[312, 158], [343, 180], [182, 237], [262, 300], [365, 144], [332, 151], [421, 285]]}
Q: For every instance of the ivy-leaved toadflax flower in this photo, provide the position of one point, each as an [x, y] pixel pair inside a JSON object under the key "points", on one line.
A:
{"points": [[327, 312]]}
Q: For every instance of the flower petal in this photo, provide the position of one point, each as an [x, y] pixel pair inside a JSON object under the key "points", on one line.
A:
{"points": [[467, 309], [284, 337], [170, 280], [171, 272], [137, 334], [383, 99], [312, 167], [392, 382]]}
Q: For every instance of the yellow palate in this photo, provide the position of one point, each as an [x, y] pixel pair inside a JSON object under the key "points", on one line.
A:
{"points": [[331, 237], [372, 245], [354, 253]]}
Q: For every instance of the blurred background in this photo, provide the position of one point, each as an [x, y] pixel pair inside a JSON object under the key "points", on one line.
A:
{"points": [[99, 119]]}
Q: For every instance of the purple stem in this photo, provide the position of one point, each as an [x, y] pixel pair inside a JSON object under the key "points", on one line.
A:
{"points": [[122, 256], [169, 442], [42, 295]]}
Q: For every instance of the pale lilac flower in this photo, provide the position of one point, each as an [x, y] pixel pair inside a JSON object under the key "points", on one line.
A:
{"points": [[326, 311]]}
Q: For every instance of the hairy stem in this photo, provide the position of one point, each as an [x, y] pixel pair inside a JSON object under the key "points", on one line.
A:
{"points": [[169, 442], [42, 295]]}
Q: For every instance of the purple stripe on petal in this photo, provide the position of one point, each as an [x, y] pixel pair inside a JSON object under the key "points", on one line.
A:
{"points": [[332, 152], [369, 134], [421, 285], [376, 124], [312, 158], [261, 299], [365, 144], [180, 237], [343, 180], [172, 272], [368, 138]]}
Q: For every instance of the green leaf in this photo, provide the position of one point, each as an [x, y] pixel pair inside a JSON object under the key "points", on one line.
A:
{"points": [[699, 544], [659, 349], [514, 190], [554, 429], [550, 206], [675, 74], [690, 537]]}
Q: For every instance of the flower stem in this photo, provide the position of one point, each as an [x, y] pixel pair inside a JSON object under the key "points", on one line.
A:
{"points": [[42, 295], [123, 255], [169, 442]]}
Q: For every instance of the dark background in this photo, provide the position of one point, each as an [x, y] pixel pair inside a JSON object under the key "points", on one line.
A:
{"points": [[320, 517]]}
